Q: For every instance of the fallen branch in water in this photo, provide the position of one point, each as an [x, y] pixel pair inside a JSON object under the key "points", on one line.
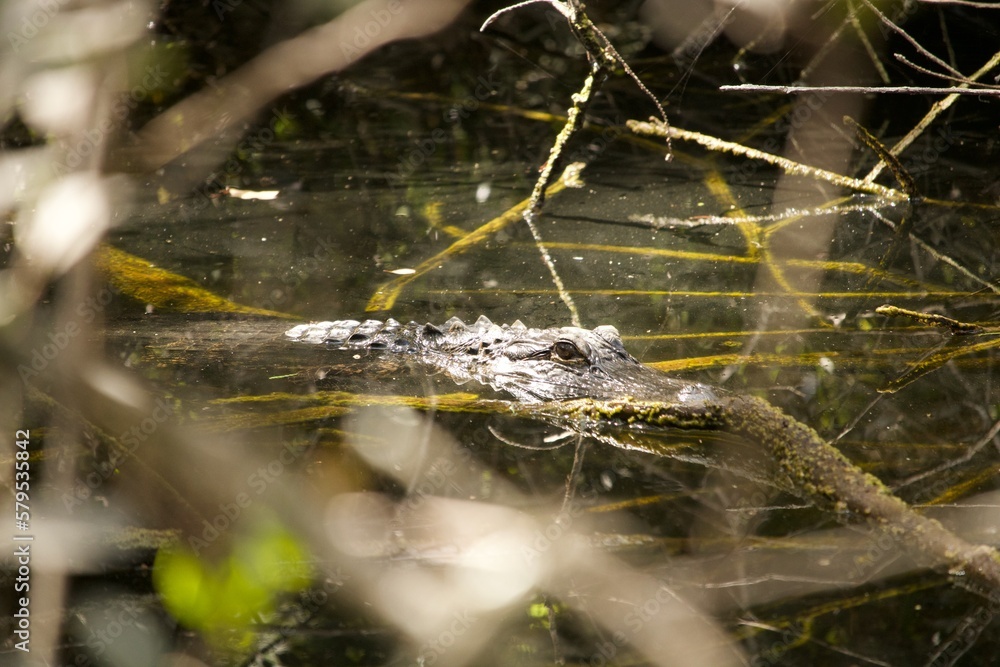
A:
{"points": [[810, 468]]}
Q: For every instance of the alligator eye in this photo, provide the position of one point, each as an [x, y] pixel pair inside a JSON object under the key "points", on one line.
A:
{"points": [[567, 351]]}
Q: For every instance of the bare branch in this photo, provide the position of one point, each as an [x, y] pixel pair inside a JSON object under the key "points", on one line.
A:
{"points": [[937, 109], [929, 72], [654, 128], [560, 7], [905, 35], [964, 3], [894, 90], [283, 67]]}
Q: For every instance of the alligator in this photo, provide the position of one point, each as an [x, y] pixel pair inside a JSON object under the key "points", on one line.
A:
{"points": [[532, 365], [585, 380]]}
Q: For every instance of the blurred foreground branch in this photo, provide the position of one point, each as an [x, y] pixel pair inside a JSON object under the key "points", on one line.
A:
{"points": [[284, 67]]}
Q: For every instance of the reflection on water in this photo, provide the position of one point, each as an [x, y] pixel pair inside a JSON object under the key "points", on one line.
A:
{"points": [[416, 496]]}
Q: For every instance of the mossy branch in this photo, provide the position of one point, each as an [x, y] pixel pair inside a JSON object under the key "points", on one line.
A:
{"points": [[810, 467]]}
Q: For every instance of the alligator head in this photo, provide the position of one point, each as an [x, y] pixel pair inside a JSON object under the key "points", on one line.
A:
{"points": [[532, 365]]}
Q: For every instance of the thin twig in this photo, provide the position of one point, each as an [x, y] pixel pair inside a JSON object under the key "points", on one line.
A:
{"points": [[512, 443], [937, 109], [852, 18], [574, 474], [573, 121], [654, 128], [941, 257], [905, 35], [825, 49], [665, 222], [603, 58], [964, 458], [940, 75], [385, 296], [956, 327], [558, 6], [964, 3], [599, 48], [893, 90]]}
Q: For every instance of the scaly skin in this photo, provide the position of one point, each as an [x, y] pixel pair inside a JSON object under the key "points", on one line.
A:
{"points": [[533, 365]]}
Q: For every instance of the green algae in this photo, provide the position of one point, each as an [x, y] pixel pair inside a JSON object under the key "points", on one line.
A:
{"points": [[144, 281]]}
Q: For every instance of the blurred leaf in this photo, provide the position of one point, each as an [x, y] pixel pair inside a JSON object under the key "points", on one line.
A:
{"points": [[231, 594]]}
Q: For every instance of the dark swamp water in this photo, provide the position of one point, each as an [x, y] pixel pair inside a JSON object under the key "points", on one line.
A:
{"points": [[204, 492]]}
